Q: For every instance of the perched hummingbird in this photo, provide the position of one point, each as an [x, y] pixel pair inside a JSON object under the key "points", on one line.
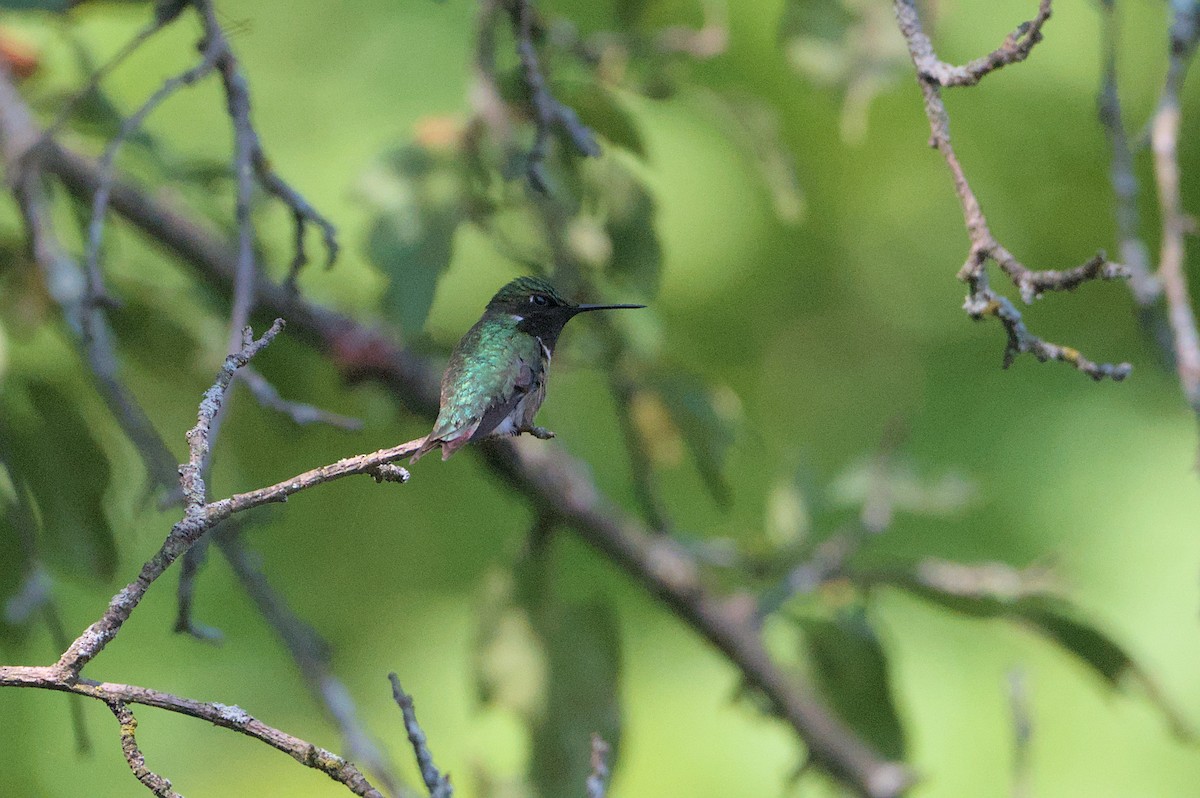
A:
{"points": [[496, 379]]}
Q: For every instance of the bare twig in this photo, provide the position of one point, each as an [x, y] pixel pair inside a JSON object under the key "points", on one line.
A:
{"points": [[87, 316], [597, 781], [189, 570], [1164, 142], [982, 300], [250, 161], [549, 114], [299, 412], [165, 14], [1016, 47], [96, 291], [198, 519], [437, 784], [225, 716], [133, 755]]}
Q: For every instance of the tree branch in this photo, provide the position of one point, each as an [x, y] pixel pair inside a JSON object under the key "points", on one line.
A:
{"points": [[982, 301], [196, 521], [133, 755], [227, 717], [1016, 47]]}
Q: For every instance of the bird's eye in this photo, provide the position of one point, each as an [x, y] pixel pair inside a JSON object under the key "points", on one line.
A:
{"points": [[540, 299]]}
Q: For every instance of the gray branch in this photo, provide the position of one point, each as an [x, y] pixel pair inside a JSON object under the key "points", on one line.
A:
{"points": [[983, 301], [437, 784]]}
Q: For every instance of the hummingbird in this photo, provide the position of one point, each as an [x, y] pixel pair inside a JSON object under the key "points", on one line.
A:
{"points": [[496, 379]]}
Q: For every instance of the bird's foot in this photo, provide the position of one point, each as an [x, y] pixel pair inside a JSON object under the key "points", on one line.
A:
{"points": [[541, 433]]}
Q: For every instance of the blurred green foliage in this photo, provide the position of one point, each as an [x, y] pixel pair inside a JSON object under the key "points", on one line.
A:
{"points": [[777, 207]]}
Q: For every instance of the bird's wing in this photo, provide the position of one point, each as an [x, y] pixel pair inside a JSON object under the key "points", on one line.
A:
{"points": [[524, 380], [459, 421]]}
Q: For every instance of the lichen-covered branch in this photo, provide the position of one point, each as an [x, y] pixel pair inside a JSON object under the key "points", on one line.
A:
{"points": [[982, 300], [196, 521], [225, 716], [133, 755]]}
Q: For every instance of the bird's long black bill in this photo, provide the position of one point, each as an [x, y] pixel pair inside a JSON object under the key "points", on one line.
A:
{"points": [[585, 308]]}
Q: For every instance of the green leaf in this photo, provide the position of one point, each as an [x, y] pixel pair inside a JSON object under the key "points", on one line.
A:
{"points": [[419, 194], [414, 250], [708, 433], [851, 669], [35, 5], [582, 642], [557, 665], [509, 660], [636, 252], [1028, 597], [49, 447], [820, 19], [601, 110]]}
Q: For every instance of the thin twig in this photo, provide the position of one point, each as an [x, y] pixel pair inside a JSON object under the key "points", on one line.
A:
{"points": [[133, 755], [196, 520], [165, 14], [250, 161], [437, 784], [199, 519], [299, 412], [189, 570], [225, 716], [60, 270], [96, 291], [1131, 248], [1016, 47], [982, 301]]}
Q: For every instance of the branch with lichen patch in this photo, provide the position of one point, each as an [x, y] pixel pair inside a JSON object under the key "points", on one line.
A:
{"points": [[225, 716], [133, 755]]}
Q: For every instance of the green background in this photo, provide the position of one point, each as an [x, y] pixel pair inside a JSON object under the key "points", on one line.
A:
{"points": [[825, 331]]}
